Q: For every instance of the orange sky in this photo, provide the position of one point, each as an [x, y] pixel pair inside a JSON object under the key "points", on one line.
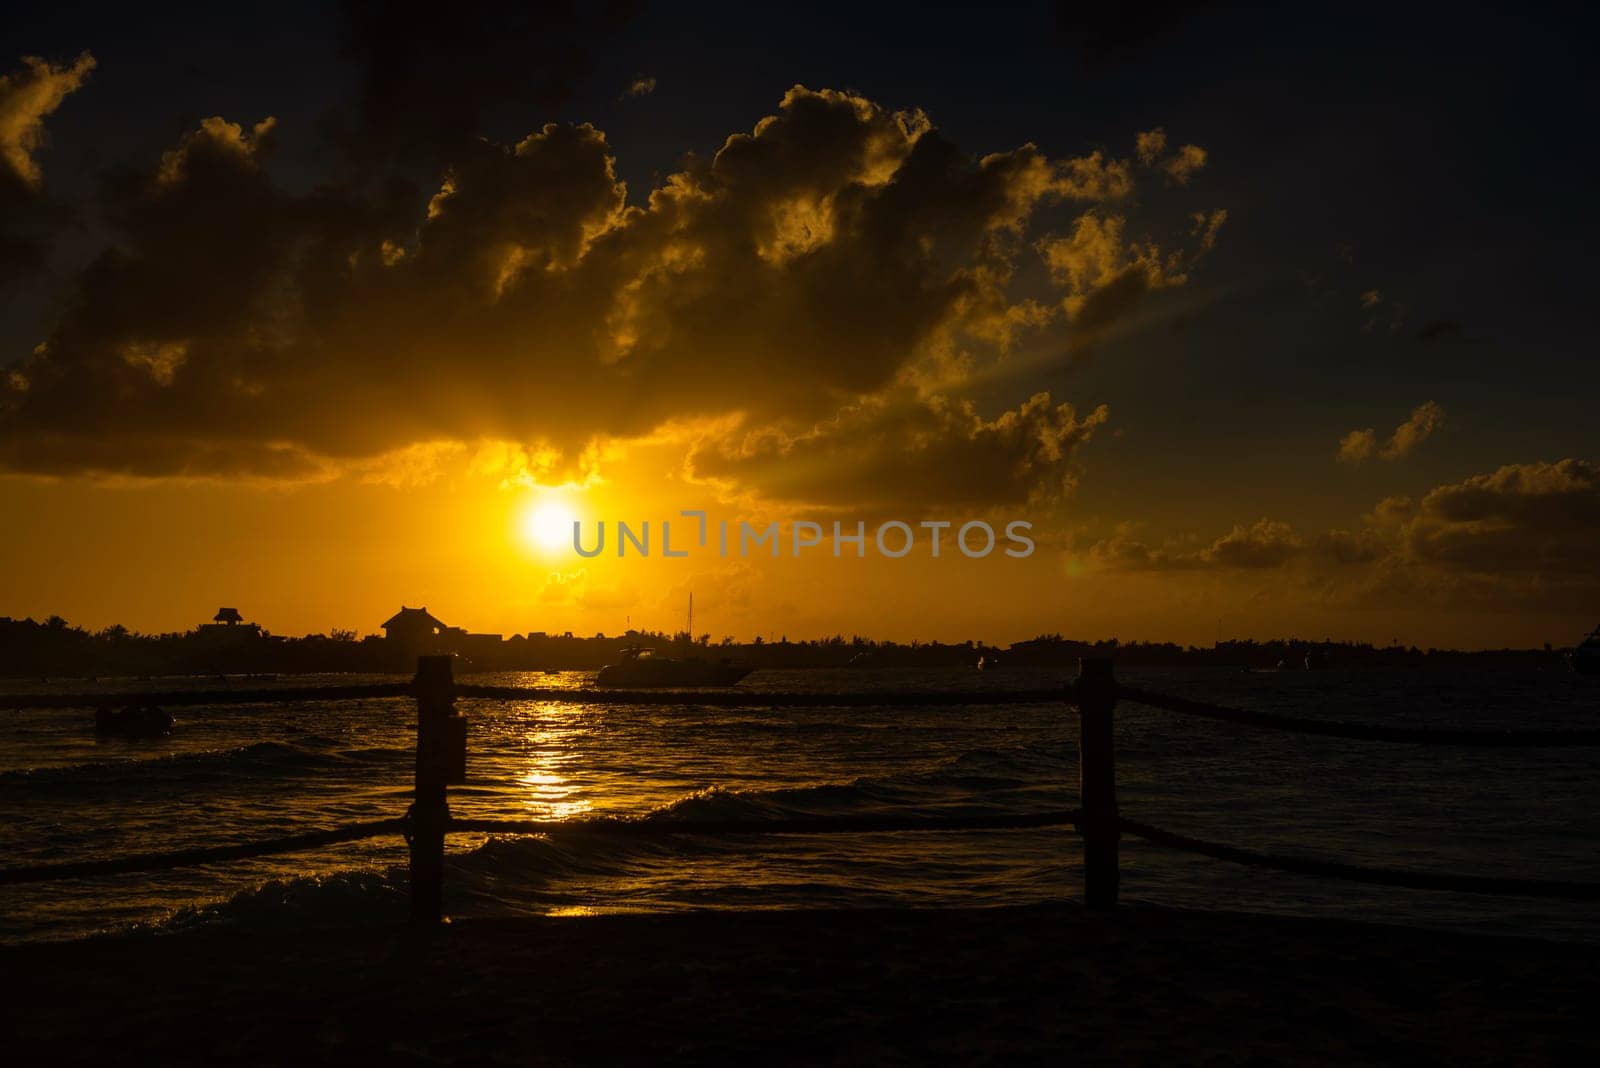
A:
{"points": [[316, 405], [345, 554]]}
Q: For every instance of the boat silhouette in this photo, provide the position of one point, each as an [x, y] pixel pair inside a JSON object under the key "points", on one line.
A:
{"points": [[641, 667]]}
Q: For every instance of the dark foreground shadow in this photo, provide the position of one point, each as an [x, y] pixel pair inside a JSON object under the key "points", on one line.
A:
{"points": [[895, 987]]}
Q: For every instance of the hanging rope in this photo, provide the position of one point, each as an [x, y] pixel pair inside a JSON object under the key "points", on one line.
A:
{"points": [[1327, 869], [1360, 731], [802, 825], [736, 698], [281, 695], [185, 858]]}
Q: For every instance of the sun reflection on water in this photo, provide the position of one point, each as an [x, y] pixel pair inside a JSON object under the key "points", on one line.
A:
{"points": [[548, 792]]}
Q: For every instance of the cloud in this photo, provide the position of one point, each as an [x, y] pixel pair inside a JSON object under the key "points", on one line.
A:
{"points": [[27, 97], [28, 216], [579, 587], [1266, 543], [1539, 516], [1358, 445], [1105, 275], [1207, 225], [1180, 166], [1149, 146], [1425, 419], [1183, 164], [839, 271], [640, 86], [1361, 445], [427, 78], [907, 454], [1521, 536], [1372, 304]]}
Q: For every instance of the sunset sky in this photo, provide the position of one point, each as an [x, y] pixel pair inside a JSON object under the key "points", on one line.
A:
{"points": [[1270, 323]]}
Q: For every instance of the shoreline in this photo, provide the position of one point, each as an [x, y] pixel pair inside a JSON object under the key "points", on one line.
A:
{"points": [[888, 986]]}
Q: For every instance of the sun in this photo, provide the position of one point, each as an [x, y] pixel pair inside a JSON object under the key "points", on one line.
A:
{"points": [[546, 525]]}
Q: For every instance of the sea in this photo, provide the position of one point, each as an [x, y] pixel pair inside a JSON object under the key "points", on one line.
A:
{"points": [[237, 772]]}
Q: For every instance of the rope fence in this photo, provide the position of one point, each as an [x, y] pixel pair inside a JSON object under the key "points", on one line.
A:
{"points": [[441, 761], [737, 698], [878, 824], [619, 827], [731, 698], [188, 858], [279, 695], [1328, 869], [1366, 732]]}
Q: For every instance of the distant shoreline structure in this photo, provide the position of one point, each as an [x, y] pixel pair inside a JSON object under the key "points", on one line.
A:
{"points": [[228, 646]]}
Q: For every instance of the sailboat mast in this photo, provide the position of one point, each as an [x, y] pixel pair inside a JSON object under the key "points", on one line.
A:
{"points": [[691, 617]]}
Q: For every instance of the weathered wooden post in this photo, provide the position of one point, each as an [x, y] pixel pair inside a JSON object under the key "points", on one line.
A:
{"points": [[429, 814], [1095, 694]]}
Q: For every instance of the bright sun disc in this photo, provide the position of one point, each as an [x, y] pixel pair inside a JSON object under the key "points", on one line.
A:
{"points": [[548, 525]]}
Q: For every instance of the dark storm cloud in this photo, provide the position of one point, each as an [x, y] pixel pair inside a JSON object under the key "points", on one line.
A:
{"points": [[905, 452], [428, 74], [826, 277]]}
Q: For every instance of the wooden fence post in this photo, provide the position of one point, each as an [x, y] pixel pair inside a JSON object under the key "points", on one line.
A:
{"points": [[429, 814], [1095, 694]]}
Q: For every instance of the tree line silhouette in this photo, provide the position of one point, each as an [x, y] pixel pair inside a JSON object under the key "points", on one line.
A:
{"points": [[56, 648]]}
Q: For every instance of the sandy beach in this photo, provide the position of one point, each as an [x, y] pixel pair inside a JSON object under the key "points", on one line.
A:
{"points": [[885, 987]]}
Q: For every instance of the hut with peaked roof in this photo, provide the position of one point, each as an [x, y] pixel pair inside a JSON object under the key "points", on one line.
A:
{"points": [[228, 628], [412, 631]]}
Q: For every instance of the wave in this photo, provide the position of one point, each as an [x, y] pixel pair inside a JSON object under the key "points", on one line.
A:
{"points": [[306, 754], [975, 783], [568, 866], [344, 899]]}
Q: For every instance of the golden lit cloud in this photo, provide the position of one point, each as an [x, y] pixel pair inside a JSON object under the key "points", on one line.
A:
{"points": [[1180, 166], [837, 276], [1360, 445], [27, 98]]}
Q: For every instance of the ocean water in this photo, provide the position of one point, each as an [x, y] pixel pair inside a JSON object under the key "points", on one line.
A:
{"points": [[237, 772]]}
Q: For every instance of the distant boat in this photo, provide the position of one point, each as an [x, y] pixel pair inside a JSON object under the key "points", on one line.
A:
{"points": [[642, 667], [1585, 659]]}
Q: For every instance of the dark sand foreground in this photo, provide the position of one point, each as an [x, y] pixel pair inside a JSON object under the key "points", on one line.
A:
{"points": [[898, 987]]}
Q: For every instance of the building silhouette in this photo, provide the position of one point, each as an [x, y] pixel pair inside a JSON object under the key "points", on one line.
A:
{"points": [[415, 631], [228, 628]]}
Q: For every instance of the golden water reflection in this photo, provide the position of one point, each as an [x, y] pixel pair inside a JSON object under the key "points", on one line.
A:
{"points": [[549, 792]]}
